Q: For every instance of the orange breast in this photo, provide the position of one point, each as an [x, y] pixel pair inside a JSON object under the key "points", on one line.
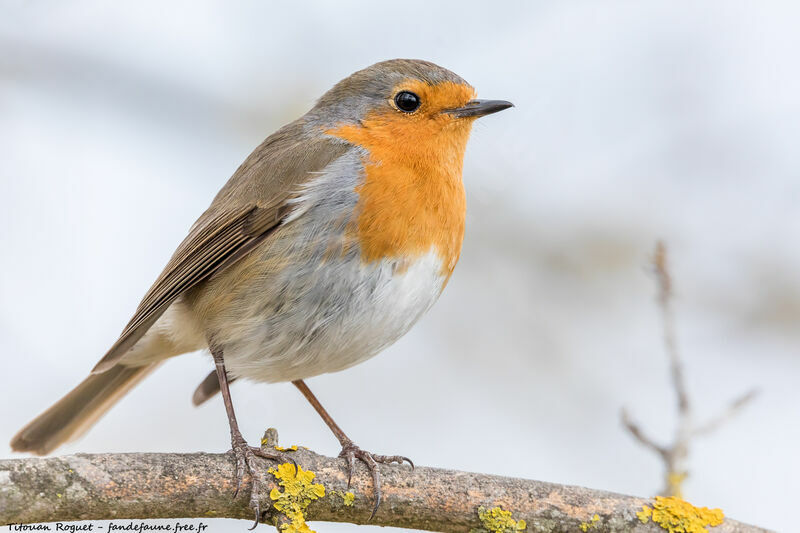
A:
{"points": [[412, 200]]}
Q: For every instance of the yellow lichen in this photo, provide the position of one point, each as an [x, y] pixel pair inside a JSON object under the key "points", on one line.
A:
{"points": [[593, 524], [497, 520], [265, 442], [348, 499], [679, 516], [298, 491]]}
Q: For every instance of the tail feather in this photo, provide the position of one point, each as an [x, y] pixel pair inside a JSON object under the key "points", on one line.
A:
{"points": [[208, 388], [76, 412]]}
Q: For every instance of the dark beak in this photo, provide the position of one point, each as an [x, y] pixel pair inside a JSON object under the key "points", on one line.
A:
{"points": [[479, 108]]}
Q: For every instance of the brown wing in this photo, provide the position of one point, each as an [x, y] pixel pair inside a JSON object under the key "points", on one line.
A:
{"points": [[247, 209], [210, 247]]}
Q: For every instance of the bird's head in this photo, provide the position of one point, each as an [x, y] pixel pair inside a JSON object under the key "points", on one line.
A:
{"points": [[405, 106]]}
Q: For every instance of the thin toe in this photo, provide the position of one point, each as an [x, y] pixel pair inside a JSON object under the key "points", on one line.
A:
{"points": [[255, 522], [350, 452], [246, 462], [376, 483]]}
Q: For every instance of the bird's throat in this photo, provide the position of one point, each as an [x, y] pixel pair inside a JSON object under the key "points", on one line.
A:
{"points": [[412, 198]]}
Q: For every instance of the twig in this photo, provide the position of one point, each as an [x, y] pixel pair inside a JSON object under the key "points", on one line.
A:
{"points": [[675, 456], [668, 321], [732, 410], [200, 485], [639, 435]]}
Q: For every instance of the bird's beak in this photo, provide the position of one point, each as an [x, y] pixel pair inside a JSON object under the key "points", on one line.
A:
{"points": [[479, 108]]}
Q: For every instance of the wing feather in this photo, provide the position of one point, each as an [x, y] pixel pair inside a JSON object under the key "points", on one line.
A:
{"points": [[208, 248], [245, 211]]}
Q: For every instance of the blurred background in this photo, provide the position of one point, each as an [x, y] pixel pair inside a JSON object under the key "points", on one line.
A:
{"points": [[635, 121]]}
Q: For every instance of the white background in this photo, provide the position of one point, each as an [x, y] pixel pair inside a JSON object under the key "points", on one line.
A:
{"points": [[634, 121]]}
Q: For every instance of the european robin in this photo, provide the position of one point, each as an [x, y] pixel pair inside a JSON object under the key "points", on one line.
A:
{"points": [[328, 243]]}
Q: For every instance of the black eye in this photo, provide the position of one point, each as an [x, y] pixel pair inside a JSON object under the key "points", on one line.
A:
{"points": [[407, 101]]}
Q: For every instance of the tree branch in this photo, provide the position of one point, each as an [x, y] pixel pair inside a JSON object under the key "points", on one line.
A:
{"points": [[201, 485], [676, 455]]}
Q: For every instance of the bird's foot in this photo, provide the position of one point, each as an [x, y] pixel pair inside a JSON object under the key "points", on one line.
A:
{"points": [[350, 452], [245, 461]]}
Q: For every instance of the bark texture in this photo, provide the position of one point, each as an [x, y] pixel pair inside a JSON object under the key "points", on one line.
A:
{"points": [[201, 485]]}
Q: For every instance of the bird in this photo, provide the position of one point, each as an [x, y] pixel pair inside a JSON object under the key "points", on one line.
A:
{"points": [[328, 243]]}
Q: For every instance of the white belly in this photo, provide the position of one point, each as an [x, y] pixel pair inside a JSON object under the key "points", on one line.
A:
{"points": [[332, 318]]}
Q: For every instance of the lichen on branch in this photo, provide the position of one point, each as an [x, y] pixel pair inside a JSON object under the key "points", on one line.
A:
{"points": [[199, 485]]}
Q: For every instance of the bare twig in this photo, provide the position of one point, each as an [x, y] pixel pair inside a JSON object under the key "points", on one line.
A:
{"points": [[675, 456], [639, 435], [668, 321], [732, 410], [200, 485]]}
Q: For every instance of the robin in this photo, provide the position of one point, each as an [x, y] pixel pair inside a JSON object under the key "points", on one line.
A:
{"points": [[326, 245]]}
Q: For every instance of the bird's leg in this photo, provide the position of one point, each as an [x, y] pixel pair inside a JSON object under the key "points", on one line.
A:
{"points": [[350, 451], [243, 452]]}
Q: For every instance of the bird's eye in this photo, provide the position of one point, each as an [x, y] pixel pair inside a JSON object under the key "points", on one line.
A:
{"points": [[407, 101]]}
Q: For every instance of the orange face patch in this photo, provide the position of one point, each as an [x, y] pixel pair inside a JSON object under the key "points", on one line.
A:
{"points": [[412, 199]]}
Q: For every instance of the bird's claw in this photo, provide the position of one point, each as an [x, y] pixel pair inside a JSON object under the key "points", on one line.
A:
{"points": [[279, 457], [245, 460], [350, 452]]}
